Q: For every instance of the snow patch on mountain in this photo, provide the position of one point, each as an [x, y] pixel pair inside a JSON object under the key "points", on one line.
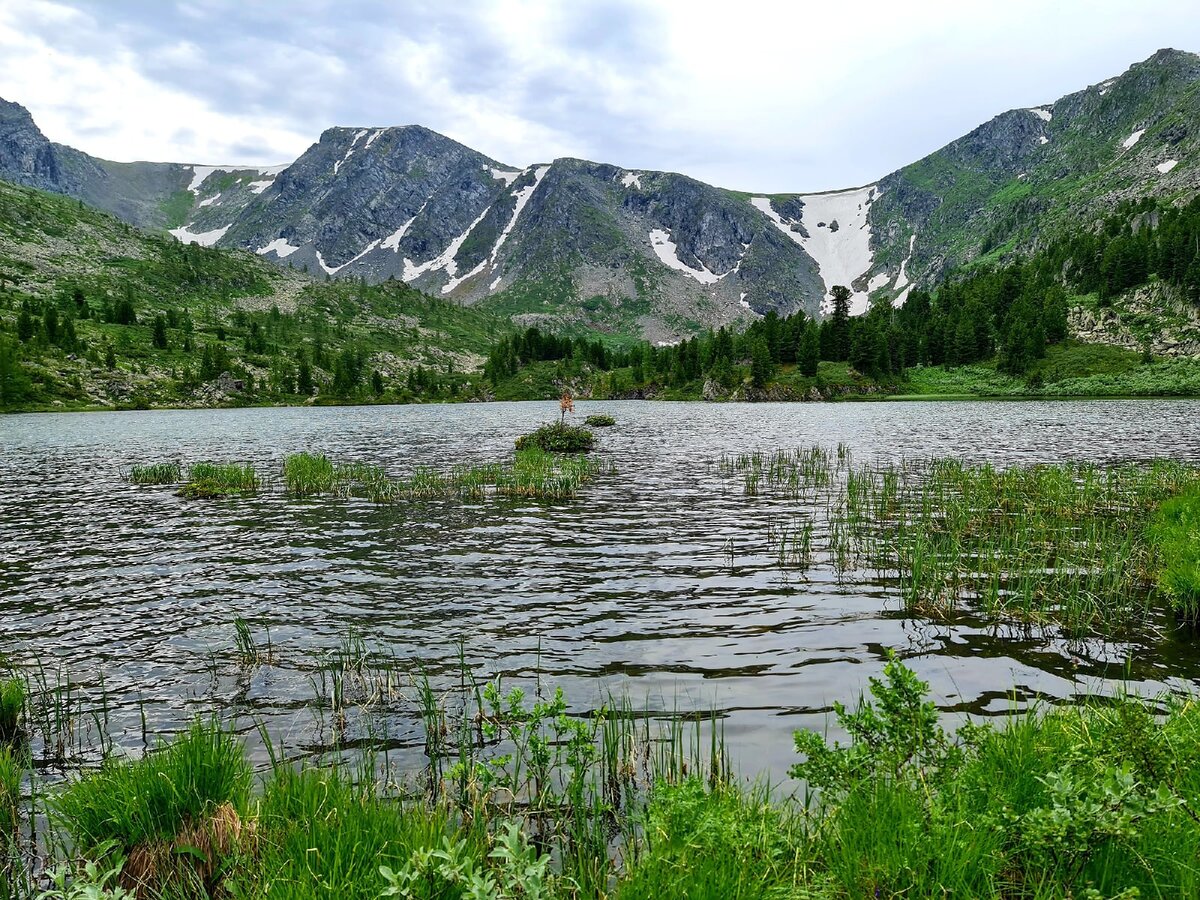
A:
{"points": [[200, 173], [280, 247], [210, 201], [1133, 138], [374, 135], [257, 187], [522, 196], [1042, 113], [333, 270], [844, 254], [668, 252], [632, 179], [763, 205], [358, 136], [1106, 86], [204, 238], [508, 177], [445, 259], [1167, 166], [1042, 139], [392, 241], [902, 277]]}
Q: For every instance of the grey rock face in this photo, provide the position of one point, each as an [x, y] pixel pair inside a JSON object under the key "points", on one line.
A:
{"points": [[580, 244]]}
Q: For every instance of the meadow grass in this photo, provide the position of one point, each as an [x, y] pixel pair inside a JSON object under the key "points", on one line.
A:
{"points": [[208, 480], [156, 473]]}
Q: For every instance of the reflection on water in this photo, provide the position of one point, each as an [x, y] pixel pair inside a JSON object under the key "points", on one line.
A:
{"points": [[658, 582]]}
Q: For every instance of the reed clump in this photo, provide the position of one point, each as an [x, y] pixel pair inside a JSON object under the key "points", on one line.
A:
{"points": [[174, 814], [1075, 545], [532, 474], [156, 473], [208, 480]]}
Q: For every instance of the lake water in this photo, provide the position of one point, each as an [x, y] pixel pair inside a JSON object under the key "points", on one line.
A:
{"points": [[657, 582]]}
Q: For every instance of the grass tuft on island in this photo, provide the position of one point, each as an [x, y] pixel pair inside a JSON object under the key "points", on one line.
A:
{"points": [[558, 437], [532, 474], [599, 420]]}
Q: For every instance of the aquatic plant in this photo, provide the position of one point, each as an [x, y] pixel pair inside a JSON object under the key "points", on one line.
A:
{"points": [[156, 473], [599, 420], [558, 438], [1053, 544], [207, 480]]}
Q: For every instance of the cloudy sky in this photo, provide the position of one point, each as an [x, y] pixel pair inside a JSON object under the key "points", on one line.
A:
{"points": [[763, 96]]}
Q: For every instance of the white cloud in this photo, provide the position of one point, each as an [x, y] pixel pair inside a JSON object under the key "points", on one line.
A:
{"points": [[762, 96]]}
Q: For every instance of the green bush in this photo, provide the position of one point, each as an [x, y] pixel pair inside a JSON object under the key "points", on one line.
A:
{"points": [[558, 438], [600, 421]]}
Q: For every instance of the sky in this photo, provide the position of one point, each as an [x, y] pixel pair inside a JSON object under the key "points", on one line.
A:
{"points": [[759, 96]]}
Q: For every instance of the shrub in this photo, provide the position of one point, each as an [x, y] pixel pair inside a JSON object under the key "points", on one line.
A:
{"points": [[600, 421], [558, 438]]}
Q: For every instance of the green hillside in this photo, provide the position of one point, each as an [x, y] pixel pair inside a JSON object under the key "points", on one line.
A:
{"points": [[95, 314]]}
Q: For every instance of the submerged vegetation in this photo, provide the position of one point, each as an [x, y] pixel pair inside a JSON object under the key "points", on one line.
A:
{"points": [[1077, 545]]}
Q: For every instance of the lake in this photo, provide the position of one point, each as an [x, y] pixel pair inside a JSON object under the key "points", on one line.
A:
{"points": [[657, 583]]}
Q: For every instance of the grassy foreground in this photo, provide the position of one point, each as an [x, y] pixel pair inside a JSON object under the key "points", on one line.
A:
{"points": [[1095, 801]]}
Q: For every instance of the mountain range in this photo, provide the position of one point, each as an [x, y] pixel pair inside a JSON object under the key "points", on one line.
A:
{"points": [[585, 246]]}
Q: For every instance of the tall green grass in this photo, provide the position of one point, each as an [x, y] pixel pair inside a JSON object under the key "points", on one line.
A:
{"points": [[533, 473], [153, 799], [1062, 545], [524, 800], [12, 708], [156, 473], [1175, 534]]}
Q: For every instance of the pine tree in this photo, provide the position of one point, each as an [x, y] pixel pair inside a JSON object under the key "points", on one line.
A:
{"points": [[159, 338], [840, 322]]}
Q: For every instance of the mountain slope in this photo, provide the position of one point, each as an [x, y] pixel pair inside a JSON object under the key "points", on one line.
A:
{"points": [[589, 247], [1030, 171], [94, 313]]}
